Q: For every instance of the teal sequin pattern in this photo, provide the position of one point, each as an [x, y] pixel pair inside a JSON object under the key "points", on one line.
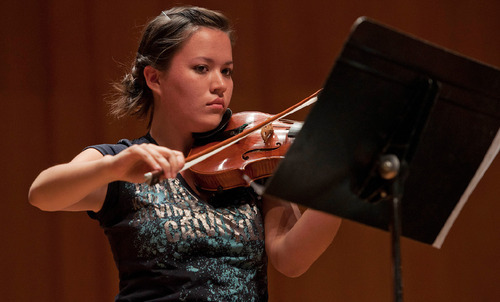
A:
{"points": [[222, 248]]}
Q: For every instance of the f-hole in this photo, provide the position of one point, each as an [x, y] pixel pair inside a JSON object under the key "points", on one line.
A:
{"points": [[246, 157]]}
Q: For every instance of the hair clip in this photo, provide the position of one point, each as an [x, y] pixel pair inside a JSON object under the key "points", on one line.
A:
{"points": [[166, 16]]}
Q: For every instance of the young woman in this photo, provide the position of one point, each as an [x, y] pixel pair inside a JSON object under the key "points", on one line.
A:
{"points": [[171, 241]]}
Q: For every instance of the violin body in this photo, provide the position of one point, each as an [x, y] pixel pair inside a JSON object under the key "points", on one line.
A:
{"points": [[256, 155]]}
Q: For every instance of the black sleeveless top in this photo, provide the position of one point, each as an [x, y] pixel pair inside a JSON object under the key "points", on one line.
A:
{"points": [[170, 245]]}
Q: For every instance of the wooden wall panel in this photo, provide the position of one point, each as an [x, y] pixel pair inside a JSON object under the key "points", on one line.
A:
{"points": [[58, 59]]}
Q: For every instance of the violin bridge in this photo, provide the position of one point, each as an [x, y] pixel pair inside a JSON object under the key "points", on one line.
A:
{"points": [[267, 132]]}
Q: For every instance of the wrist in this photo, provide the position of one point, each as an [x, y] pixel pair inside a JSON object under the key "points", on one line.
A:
{"points": [[109, 169]]}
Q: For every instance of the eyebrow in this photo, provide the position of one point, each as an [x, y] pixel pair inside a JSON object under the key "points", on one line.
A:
{"points": [[212, 61]]}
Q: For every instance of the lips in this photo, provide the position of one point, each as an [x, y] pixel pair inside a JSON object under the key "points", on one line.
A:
{"points": [[217, 103]]}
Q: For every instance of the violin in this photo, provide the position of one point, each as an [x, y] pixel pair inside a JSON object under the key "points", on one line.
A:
{"points": [[252, 146], [255, 156]]}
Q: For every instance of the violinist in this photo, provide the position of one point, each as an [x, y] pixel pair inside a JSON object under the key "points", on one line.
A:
{"points": [[172, 241]]}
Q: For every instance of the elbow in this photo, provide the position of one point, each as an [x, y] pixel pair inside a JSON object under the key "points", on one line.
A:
{"points": [[292, 271], [290, 264], [35, 198]]}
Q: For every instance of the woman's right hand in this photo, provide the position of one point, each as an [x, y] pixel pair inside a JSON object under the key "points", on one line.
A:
{"points": [[132, 163]]}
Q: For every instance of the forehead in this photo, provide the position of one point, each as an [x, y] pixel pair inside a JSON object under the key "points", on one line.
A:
{"points": [[207, 42]]}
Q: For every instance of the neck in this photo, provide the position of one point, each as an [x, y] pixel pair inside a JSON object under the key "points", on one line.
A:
{"points": [[170, 136]]}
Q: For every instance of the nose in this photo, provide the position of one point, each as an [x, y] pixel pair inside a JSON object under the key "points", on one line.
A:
{"points": [[218, 84]]}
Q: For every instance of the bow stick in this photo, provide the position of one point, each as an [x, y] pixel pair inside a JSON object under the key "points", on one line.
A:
{"points": [[151, 178]]}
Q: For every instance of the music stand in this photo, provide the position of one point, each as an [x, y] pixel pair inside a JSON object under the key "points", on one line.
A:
{"points": [[396, 115]]}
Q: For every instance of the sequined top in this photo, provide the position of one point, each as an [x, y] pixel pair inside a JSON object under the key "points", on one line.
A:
{"points": [[170, 245]]}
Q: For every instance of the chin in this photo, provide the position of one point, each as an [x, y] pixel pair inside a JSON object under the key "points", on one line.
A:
{"points": [[210, 124]]}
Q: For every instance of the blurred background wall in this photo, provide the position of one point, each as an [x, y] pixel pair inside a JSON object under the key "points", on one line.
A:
{"points": [[58, 59]]}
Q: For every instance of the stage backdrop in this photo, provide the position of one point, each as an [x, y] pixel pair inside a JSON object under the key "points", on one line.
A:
{"points": [[58, 59]]}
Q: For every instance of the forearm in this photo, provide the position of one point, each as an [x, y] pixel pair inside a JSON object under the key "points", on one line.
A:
{"points": [[294, 248], [309, 238], [62, 186]]}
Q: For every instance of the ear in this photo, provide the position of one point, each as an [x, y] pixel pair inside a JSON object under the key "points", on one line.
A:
{"points": [[152, 76]]}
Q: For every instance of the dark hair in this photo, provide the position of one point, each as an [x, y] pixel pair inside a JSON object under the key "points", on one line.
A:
{"points": [[162, 38]]}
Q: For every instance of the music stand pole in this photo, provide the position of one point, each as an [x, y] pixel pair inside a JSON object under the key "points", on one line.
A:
{"points": [[396, 248], [390, 169]]}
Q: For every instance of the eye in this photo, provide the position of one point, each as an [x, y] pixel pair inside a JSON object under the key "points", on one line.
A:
{"points": [[200, 68], [228, 72]]}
